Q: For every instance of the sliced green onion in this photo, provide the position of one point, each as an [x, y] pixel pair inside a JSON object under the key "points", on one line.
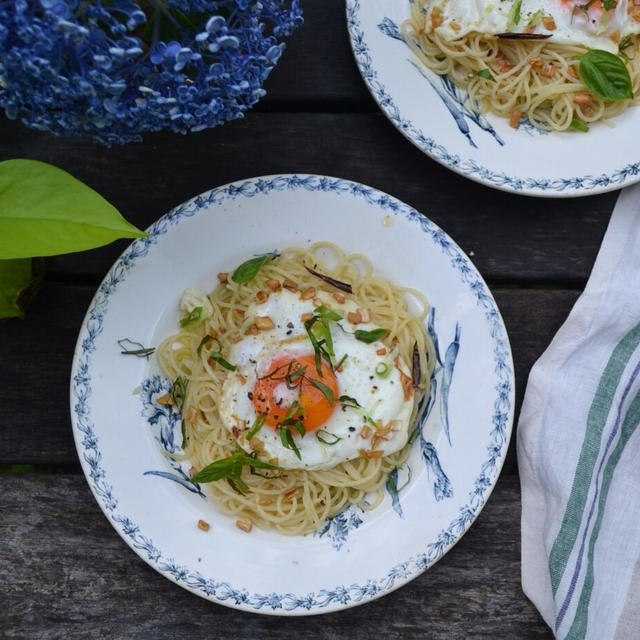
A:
{"points": [[192, 317], [179, 392], [327, 438], [382, 369]]}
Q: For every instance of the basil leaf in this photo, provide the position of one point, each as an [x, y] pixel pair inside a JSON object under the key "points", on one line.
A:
{"points": [[578, 125], [45, 211], [249, 270], [15, 276], [605, 75], [370, 336], [486, 74], [514, 14]]}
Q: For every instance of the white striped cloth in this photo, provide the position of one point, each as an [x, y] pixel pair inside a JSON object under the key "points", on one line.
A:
{"points": [[579, 452]]}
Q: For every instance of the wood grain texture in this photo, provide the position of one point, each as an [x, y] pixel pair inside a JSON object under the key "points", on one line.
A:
{"points": [[317, 68], [37, 353], [513, 238], [68, 574]]}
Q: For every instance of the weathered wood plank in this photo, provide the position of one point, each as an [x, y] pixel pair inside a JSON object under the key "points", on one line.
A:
{"points": [[68, 574], [317, 65], [36, 354], [513, 238]]}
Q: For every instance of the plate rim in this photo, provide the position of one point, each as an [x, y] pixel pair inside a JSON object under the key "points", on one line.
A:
{"points": [[558, 187], [324, 600]]}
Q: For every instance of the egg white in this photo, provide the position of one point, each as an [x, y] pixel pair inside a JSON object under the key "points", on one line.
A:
{"points": [[382, 399], [593, 30]]}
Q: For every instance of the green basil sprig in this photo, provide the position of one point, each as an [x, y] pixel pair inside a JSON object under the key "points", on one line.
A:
{"points": [[249, 270], [605, 75], [230, 469]]}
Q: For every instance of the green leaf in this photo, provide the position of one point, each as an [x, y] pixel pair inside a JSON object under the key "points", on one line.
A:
{"points": [[606, 75], [370, 336], [217, 356], [192, 317], [231, 469], [327, 438], [15, 277], [256, 426], [486, 74], [578, 125], [514, 15], [45, 211], [535, 18], [328, 393], [249, 270]]}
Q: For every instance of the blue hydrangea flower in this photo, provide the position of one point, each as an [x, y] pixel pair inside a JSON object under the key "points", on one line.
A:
{"points": [[113, 69]]}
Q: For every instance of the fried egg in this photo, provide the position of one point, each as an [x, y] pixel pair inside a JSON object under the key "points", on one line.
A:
{"points": [[276, 376], [599, 24]]}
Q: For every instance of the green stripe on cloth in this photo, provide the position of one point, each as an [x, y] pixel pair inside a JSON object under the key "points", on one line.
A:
{"points": [[632, 419], [596, 420]]}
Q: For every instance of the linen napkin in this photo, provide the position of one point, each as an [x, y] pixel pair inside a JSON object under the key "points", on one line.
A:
{"points": [[579, 452]]}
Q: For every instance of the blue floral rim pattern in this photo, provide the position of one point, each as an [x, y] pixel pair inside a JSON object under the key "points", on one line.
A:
{"points": [[572, 186], [341, 596]]}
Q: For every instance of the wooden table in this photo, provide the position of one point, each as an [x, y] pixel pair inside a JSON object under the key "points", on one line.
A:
{"points": [[66, 572]]}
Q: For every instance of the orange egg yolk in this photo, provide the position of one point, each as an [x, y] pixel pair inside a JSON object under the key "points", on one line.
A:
{"points": [[297, 374]]}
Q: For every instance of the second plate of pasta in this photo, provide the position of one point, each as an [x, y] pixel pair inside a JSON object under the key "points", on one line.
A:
{"points": [[530, 96]]}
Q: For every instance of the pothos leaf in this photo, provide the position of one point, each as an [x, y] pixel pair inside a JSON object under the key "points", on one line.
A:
{"points": [[45, 211]]}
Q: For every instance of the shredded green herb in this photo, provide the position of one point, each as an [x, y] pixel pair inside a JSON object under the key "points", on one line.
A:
{"points": [[486, 74], [179, 392], [256, 426], [131, 348]]}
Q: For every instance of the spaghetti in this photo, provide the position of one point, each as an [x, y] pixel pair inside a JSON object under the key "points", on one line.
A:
{"points": [[292, 501], [513, 78]]}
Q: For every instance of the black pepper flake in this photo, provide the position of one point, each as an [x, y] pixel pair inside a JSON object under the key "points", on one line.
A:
{"points": [[352, 429], [290, 325], [250, 395], [370, 377], [289, 332]]}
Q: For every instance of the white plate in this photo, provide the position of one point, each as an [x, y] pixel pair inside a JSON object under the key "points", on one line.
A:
{"points": [[121, 433], [429, 111]]}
